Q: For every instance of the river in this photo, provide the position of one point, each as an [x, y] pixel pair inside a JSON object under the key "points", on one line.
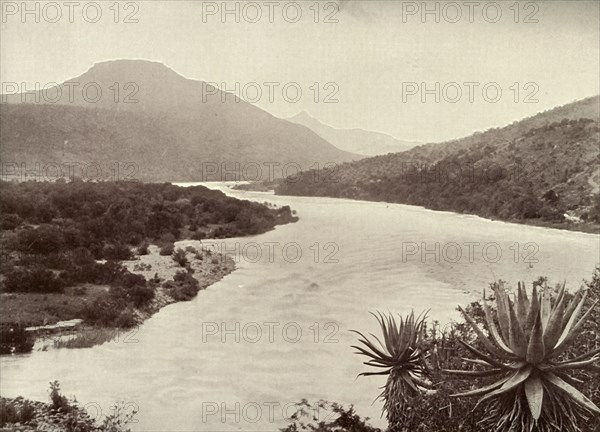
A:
{"points": [[276, 330]]}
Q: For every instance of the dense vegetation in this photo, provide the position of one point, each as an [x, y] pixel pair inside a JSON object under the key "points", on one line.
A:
{"points": [[435, 410], [57, 236], [61, 414], [534, 170]]}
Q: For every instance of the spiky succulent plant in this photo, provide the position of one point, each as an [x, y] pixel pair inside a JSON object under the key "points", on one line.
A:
{"points": [[401, 356], [527, 349]]}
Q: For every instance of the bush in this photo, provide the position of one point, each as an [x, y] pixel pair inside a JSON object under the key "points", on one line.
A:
{"points": [[126, 319], [198, 235], [143, 249], [103, 311], [184, 286], [132, 290], [59, 401], [11, 414], [179, 257], [37, 280], [14, 339], [42, 240], [10, 221], [117, 251], [167, 249], [140, 295]]}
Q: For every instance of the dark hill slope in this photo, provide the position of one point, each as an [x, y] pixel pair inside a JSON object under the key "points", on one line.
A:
{"points": [[535, 169]]}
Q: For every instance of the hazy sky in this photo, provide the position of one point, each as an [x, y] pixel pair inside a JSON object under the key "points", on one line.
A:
{"points": [[372, 54]]}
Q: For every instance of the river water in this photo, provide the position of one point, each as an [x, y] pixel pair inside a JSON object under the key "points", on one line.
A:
{"points": [[276, 330]]}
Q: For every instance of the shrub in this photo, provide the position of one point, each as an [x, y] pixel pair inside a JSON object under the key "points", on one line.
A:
{"points": [[325, 416], [10, 413], [59, 401], [140, 295], [41, 240], [143, 248], [38, 280], [103, 311], [167, 249], [14, 339], [198, 235], [117, 251], [126, 319], [10, 221], [179, 257], [80, 291]]}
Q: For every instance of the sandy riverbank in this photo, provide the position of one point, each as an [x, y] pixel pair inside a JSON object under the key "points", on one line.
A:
{"points": [[208, 267]]}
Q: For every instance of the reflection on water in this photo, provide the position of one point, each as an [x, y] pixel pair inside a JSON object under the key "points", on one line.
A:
{"points": [[277, 329]]}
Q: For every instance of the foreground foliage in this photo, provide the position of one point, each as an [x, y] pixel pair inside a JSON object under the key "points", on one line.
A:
{"points": [[61, 414], [402, 357], [535, 391], [545, 346]]}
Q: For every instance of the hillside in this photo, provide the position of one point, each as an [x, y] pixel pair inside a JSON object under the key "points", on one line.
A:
{"points": [[360, 141], [533, 170], [170, 126]]}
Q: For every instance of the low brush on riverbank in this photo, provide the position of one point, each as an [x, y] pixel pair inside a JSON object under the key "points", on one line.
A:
{"points": [[61, 414], [171, 282], [69, 252]]}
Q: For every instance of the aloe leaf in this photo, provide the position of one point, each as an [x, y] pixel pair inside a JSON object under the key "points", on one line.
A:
{"points": [[483, 338], [502, 310], [536, 350], [483, 356], [571, 307], [513, 382], [534, 391], [517, 338], [575, 394], [561, 292], [372, 355], [521, 306], [562, 346], [534, 310], [546, 309], [585, 356], [473, 373], [497, 338], [571, 365], [482, 390], [568, 330], [555, 326]]}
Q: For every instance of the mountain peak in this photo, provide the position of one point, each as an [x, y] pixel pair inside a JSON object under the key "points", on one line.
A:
{"points": [[138, 68]]}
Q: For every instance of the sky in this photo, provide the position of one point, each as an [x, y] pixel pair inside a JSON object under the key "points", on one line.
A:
{"points": [[377, 65]]}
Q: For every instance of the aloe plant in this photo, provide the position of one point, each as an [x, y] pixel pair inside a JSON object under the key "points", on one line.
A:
{"points": [[401, 357], [527, 349]]}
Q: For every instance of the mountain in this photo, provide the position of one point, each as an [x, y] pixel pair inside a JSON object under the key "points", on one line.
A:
{"points": [[358, 141], [537, 170], [172, 128]]}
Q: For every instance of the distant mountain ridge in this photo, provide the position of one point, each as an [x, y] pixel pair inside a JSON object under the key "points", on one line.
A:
{"points": [[360, 141], [536, 169], [173, 128]]}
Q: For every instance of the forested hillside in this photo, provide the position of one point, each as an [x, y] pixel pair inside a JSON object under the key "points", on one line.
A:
{"points": [[536, 169]]}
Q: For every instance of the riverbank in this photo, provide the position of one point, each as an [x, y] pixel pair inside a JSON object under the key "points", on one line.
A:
{"points": [[584, 227], [62, 414], [205, 266]]}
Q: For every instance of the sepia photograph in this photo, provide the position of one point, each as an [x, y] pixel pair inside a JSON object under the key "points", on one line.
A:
{"points": [[299, 216]]}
